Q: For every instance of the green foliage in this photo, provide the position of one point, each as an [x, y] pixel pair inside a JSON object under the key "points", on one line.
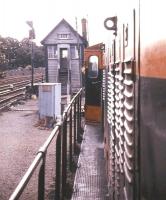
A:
{"points": [[2, 53], [39, 57], [14, 53]]}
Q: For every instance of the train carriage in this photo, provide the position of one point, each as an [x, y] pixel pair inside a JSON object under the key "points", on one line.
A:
{"points": [[135, 138]]}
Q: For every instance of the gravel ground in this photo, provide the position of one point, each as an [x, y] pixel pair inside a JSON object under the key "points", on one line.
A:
{"points": [[20, 140]]}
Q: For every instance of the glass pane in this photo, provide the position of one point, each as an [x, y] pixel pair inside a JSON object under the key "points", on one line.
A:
{"points": [[93, 67]]}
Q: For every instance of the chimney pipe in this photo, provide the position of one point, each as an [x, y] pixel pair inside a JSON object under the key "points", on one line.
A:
{"points": [[84, 28]]}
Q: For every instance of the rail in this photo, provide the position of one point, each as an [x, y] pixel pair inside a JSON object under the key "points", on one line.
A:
{"points": [[67, 135], [10, 93]]}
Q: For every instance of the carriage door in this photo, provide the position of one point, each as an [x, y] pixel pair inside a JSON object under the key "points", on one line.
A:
{"points": [[93, 85]]}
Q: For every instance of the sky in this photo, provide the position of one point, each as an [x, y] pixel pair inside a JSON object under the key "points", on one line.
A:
{"points": [[46, 14]]}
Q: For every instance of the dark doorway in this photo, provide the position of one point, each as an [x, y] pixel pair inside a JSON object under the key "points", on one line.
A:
{"points": [[63, 59], [64, 69]]}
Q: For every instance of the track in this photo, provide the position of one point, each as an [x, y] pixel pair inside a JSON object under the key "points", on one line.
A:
{"points": [[13, 89]]}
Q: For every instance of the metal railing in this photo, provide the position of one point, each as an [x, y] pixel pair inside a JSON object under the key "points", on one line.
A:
{"points": [[67, 134]]}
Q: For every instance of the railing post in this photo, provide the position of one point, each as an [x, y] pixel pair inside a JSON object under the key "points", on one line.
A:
{"points": [[64, 155], [80, 127], [78, 120], [70, 139], [58, 166], [81, 131], [75, 127], [41, 180]]}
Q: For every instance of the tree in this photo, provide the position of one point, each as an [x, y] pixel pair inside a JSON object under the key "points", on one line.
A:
{"points": [[15, 54], [39, 56], [11, 47], [24, 53], [3, 60]]}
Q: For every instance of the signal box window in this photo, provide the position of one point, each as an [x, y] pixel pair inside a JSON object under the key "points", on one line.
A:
{"points": [[74, 52], [93, 67], [64, 36], [52, 52]]}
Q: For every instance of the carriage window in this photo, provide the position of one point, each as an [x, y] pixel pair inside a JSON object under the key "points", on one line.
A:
{"points": [[93, 67]]}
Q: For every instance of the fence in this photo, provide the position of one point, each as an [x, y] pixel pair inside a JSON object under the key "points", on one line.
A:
{"points": [[66, 134]]}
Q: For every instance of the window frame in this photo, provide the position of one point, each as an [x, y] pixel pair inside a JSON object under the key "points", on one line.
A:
{"points": [[52, 52], [63, 36]]}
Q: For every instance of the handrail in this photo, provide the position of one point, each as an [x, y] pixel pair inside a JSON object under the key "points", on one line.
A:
{"points": [[60, 134], [71, 102], [19, 189]]}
